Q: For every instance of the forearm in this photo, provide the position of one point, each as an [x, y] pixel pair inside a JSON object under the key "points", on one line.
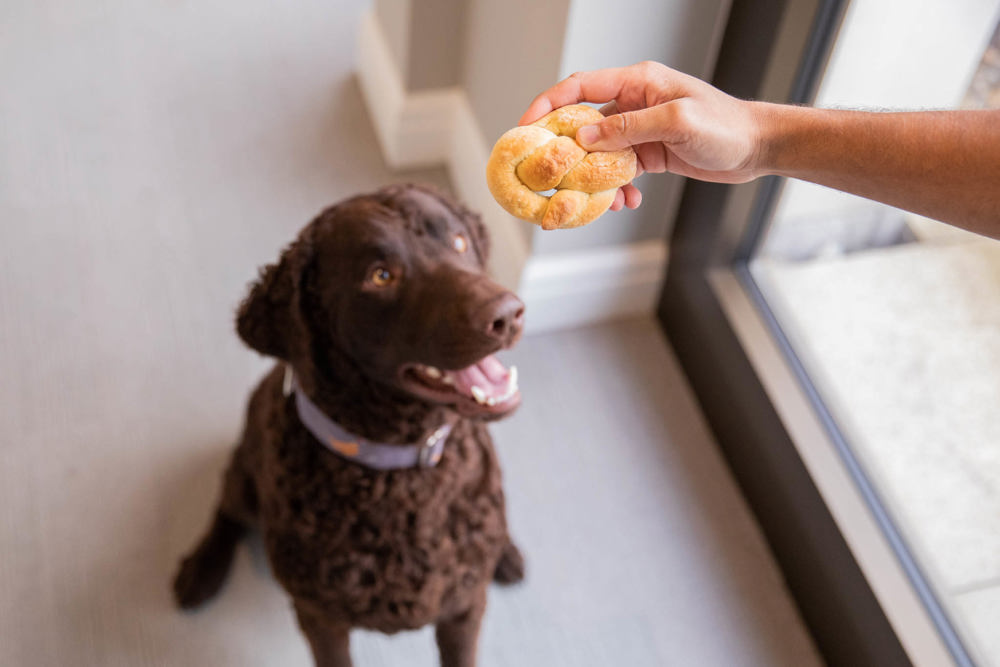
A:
{"points": [[941, 164]]}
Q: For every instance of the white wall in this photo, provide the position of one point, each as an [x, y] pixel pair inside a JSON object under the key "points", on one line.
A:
{"points": [[511, 54], [425, 38], [394, 17]]}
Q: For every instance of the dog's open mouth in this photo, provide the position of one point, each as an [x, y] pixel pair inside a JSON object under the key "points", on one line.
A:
{"points": [[486, 387]]}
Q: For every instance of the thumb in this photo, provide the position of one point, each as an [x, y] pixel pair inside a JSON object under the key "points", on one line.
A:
{"points": [[621, 130]]}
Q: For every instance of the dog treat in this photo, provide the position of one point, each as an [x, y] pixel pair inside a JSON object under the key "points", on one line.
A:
{"points": [[543, 156]]}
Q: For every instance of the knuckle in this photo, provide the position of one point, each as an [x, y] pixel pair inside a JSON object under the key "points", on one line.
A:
{"points": [[680, 111], [678, 117], [649, 67]]}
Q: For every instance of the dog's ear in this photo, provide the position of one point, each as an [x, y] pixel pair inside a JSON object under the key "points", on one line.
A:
{"points": [[270, 318]]}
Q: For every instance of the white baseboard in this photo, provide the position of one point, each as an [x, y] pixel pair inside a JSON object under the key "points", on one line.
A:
{"points": [[431, 128], [567, 290]]}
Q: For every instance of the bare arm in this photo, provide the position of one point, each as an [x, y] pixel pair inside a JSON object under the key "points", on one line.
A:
{"points": [[942, 164]]}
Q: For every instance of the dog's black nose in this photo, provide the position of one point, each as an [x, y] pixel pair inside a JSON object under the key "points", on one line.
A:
{"points": [[505, 318]]}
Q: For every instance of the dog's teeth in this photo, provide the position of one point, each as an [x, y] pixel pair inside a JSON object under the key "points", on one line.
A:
{"points": [[512, 381], [479, 395], [491, 401], [432, 372], [447, 379]]}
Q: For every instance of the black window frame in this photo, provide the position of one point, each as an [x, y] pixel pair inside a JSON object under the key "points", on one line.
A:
{"points": [[834, 598]]}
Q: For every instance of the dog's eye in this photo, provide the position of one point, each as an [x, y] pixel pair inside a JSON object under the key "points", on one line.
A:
{"points": [[381, 277], [460, 243]]}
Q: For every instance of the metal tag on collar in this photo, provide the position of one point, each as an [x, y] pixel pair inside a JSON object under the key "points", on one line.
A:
{"points": [[430, 453], [286, 383]]}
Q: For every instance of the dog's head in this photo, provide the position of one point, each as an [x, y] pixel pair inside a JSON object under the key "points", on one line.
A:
{"points": [[393, 285]]}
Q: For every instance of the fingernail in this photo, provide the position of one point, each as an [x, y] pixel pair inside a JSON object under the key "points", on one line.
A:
{"points": [[587, 134]]}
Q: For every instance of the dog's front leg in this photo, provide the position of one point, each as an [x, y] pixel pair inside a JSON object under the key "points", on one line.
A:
{"points": [[330, 642], [457, 637]]}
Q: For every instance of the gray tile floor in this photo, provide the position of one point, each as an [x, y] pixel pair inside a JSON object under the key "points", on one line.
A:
{"points": [[151, 157]]}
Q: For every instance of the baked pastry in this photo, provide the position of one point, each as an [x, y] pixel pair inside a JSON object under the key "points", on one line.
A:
{"points": [[532, 159]]}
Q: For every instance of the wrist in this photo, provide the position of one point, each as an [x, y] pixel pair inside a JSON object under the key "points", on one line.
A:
{"points": [[796, 141], [768, 122]]}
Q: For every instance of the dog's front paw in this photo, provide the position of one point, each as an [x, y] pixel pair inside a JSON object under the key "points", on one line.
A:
{"points": [[202, 574], [194, 583], [510, 569]]}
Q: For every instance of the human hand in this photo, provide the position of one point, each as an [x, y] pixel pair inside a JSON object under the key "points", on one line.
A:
{"points": [[675, 123]]}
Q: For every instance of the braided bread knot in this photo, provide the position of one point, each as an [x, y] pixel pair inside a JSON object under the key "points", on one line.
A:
{"points": [[544, 156]]}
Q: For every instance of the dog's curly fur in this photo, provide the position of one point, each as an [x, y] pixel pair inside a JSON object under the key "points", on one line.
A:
{"points": [[356, 547]]}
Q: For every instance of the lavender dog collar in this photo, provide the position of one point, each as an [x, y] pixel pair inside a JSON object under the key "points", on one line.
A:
{"points": [[377, 455]]}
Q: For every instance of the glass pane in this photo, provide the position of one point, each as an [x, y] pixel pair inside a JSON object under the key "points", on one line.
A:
{"points": [[897, 318]]}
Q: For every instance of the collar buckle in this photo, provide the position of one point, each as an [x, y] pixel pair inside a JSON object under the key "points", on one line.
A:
{"points": [[433, 447]]}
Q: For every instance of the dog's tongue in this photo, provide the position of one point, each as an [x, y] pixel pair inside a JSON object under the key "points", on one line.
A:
{"points": [[488, 374]]}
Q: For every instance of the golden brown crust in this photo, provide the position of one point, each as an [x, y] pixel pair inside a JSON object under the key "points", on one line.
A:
{"points": [[544, 156]]}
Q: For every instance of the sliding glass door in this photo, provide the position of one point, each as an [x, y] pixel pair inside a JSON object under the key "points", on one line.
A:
{"points": [[846, 353]]}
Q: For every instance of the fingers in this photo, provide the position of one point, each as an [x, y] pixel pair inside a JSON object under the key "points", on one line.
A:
{"points": [[628, 196], [637, 84], [610, 109], [622, 130], [619, 201], [652, 157], [633, 197], [598, 86]]}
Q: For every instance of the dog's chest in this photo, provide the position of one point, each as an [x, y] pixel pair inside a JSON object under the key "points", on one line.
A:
{"points": [[391, 547]]}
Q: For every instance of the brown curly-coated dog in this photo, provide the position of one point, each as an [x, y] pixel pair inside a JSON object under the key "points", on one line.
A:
{"points": [[383, 310]]}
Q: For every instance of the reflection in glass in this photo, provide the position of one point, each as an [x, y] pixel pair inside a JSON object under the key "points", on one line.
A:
{"points": [[897, 317]]}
